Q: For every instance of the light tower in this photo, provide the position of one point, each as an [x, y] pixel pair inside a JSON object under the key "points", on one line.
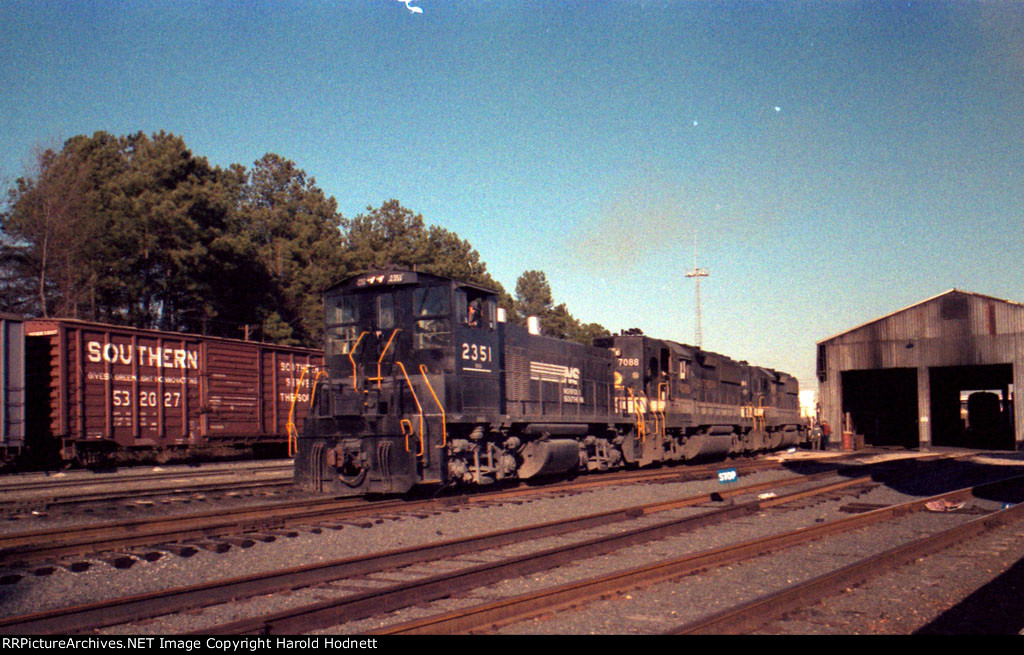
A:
{"points": [[697, 273]]}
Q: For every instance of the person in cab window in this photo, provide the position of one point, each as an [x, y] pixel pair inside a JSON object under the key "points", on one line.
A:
{"points": [[473, 314]]}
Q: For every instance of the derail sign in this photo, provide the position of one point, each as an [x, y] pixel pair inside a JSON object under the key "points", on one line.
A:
{"points": [[727, 475]]}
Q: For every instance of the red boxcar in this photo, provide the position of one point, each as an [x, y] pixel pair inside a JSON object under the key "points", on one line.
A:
{"points": [[101, 389]]}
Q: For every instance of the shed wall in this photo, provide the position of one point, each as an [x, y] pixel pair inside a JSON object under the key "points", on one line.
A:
{"points": [[954, 329]]}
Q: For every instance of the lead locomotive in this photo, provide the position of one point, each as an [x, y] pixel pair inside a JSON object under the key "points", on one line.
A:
{"points": [[424, 384]]}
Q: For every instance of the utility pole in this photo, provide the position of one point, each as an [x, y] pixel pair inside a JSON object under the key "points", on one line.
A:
{"points": [[697, 273]]}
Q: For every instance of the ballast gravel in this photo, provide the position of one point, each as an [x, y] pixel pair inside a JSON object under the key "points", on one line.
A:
{"points": [[62, 587], [646, 611]]}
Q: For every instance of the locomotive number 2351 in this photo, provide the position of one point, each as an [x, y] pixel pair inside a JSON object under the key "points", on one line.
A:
{"points": [[476, 353]]}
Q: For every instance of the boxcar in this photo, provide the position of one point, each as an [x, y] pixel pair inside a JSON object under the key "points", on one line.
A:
{"points": [[98, 390]]}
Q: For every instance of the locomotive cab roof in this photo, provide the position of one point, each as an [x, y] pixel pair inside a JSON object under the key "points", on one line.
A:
{"points": [[400, 277]]}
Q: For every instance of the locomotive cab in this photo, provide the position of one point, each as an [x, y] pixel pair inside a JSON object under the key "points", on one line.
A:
{"points": [[395, 344]]}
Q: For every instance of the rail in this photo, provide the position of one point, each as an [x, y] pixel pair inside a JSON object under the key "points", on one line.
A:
{"points": [[551, 599], [138, 607], [381, 600], [56, 543]]}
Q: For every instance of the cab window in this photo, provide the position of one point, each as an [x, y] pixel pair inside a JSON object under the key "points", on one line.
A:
{"points": [[341, 340], [342, 309], [684, 368], [475, 309], [342, 333], [432, 307], [430, 301], [432, 333], [386, 311]]}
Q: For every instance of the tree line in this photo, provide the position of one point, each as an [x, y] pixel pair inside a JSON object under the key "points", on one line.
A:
{"points": [[136, 230]]}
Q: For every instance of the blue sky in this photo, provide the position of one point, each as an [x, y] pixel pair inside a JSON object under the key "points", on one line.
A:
{"points": [[837, 160]]}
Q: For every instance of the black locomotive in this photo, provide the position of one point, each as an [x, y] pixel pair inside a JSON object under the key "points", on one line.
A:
{"points": [[424, 384]]}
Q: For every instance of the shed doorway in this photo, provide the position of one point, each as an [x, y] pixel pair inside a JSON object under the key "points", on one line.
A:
{"points": [[972, 406], [882, 405]]}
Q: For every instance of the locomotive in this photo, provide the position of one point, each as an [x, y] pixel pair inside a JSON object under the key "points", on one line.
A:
{"points": [[425, 383]]}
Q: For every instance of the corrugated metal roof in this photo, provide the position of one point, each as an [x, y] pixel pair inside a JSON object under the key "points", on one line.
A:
{"points": [[918, 304]]}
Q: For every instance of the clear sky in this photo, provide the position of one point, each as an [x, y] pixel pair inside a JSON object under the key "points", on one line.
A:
{"points": [[837, 160]]}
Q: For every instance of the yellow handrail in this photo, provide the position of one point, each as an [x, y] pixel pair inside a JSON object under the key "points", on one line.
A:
{"points": [[654, 412], [290, 429], [384, 352], [418, 406], [444, 424], [757, 418], [663, 399], [355, 381], [403, 423], [641, 425], [319, 374]]}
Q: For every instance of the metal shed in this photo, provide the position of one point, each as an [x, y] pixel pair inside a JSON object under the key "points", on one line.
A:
{"points": [[940, 372]]}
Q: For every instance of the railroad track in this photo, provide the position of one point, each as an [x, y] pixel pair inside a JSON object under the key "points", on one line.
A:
{"points": [[747, 616], [122, 610], [56, 543], [119, 610], [37, 494], [23, 548], [141, 497], [25, 482]]}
